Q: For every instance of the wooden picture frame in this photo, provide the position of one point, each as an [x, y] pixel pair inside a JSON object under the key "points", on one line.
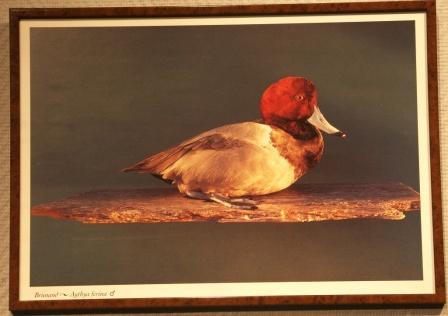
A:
{"points": [[24, 299]]}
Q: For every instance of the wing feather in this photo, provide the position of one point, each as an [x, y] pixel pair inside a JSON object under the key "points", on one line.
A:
{"points": [[157, 163]]}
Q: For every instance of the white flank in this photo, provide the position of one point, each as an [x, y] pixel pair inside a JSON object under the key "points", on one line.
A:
{"points": [[253, 168]]}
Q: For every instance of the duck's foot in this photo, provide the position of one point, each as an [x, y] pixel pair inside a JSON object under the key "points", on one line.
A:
{"points": [[244, 200], [197, 195], [240, 203]]}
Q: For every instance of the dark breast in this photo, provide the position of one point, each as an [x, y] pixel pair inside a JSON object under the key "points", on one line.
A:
{"points": [[303, 154]]}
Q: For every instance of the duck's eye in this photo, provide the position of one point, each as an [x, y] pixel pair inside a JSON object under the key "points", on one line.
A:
{"points": [[299, 97]]}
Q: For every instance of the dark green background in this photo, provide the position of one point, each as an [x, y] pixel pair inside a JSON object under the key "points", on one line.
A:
{"points": [[104, 98]]}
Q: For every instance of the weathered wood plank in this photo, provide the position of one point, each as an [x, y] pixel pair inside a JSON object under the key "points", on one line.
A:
{"points": [[300, 203]]}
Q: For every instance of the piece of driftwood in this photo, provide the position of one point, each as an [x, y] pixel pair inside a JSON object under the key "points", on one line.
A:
{"points": [[300, 203]]}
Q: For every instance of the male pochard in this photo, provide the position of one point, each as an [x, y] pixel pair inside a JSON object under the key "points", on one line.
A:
{"points": [[228, 164]]}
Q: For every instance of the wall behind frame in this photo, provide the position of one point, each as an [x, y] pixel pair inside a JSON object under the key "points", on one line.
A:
{"points": [[442, 27]]}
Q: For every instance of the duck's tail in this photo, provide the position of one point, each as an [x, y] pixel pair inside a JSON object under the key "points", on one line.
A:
{"points": [[157, 163], [128, 169]]}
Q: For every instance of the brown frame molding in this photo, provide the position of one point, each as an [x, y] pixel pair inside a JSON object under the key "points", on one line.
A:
{"points": [[229, 303]]}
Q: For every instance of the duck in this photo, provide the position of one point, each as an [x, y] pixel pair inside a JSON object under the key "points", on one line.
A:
{"points": [[232, 164]]}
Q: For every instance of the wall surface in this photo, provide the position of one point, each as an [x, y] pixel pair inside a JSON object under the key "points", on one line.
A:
{"points": [[442, 7]]}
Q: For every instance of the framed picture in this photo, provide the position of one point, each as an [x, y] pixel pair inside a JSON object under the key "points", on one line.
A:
{"points": [[238, 157]]}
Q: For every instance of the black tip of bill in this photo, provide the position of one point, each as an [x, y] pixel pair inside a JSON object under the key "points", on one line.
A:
{"points": [[340, 134]]}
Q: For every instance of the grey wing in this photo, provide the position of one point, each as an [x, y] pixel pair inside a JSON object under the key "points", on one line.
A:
{"points": [[159, 162]]}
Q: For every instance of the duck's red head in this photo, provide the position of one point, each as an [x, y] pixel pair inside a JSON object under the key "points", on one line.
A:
{"points": [[290, 102], [290, 98]]}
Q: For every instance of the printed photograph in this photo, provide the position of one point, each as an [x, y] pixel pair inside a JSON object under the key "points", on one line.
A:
{"points": [[282, 152]]}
